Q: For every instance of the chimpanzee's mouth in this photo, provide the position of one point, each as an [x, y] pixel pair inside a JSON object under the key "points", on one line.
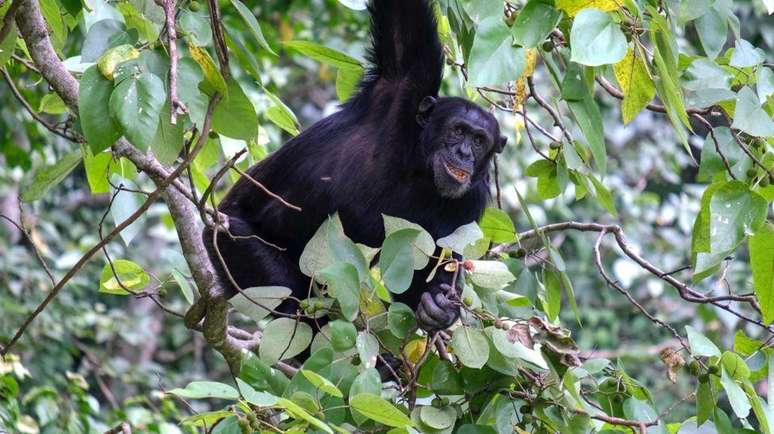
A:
{"points": [[457, 173]]}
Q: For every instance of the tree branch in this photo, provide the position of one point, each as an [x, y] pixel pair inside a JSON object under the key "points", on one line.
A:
{"points": [[33, 29]]}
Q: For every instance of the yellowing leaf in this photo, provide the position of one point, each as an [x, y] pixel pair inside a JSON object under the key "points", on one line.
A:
{"points": [[521, 83], [636, 85], [213, 80], [572, 7], [414, 350]]}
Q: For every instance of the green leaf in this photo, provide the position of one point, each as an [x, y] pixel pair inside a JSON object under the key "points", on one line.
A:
{"points": [[97, 171], [470, 346], [665, 59], [134, 19], [553, 295], [322, 383], [735, 366], [252, 25], [604, 197], [234, 116], [700, 344], [750, 117], [762, 263], [185, 287], [317, 253], [99, 128], [446, 380], [379, 410], [401, 320], [396, 260], [102, 35], [438, 418], [297, 412], [205, 419], [712, 28], [424, 246], [745, 55], [490, 274], [586, 112], [497, 225], [736, 396], [512, 348], [344, 285], [735, 212], [52, 103], [636, 85], [261, 376], [261, 399], [764, 82], [253, 302], [367, 381], [692, 9], [461, 238], [126, 202], [281, 115], [534, 23], [130, 275], [284, 338], [189, 75], [323, 54], [343, 335], [367, 348], [493, 59], [595, 39], [347, 80], [8, 44], [195, 26], [49, 176], [705, 402], [52, 12], [711, 164], [136, 104], [168, 142], [635, 409], [206, 389]]}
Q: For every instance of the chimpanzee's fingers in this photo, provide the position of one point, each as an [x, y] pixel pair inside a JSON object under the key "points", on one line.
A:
{"points": [[424, 321], [433, 309], [443, 302]]}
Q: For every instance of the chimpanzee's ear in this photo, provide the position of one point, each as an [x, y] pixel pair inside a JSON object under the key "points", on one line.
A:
{"points": [[426, 107], [501, 144]]}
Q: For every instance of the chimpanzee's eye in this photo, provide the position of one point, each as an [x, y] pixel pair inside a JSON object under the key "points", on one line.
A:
{"points": [[457, 131]]}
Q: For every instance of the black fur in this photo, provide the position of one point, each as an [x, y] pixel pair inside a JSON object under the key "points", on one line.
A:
{"points": [[376, 156]]}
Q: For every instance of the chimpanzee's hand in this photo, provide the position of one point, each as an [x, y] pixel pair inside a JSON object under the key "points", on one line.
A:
{"points": [[436, 311]]}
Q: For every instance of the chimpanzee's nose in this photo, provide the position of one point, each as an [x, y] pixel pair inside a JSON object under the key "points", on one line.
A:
{"points": [[463, 151]]}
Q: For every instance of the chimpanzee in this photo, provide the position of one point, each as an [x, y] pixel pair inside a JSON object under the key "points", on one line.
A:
{"points": [[394, 148]]}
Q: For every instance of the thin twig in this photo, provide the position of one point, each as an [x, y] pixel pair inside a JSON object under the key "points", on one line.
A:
{"points": [[34, 247], [711, 130], [266, 190], [176, 106], [19, 97], [616, 93], [625, 293], [120, 227], [543, 103]]}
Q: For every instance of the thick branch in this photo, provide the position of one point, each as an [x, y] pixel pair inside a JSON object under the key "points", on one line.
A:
{"points": [[33, 30]]}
